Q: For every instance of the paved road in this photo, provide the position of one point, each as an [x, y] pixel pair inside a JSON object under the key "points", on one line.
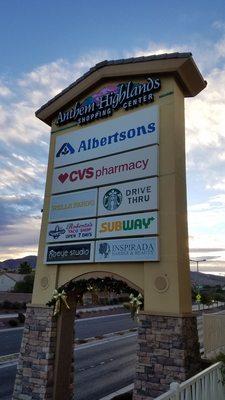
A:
{"points": [[101, 368], [105, 368], [7, 378], [101, 325], [109, 365], [10, 340]]}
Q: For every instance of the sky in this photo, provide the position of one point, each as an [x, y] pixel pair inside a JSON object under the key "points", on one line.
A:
{"points": [[46, 45]]}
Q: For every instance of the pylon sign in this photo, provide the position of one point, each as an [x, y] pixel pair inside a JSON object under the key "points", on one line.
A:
{"points": [[109, 172]]}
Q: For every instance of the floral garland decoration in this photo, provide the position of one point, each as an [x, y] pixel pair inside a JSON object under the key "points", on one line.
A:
{"points": [[58, 298], [135, 305], [94, 285]]}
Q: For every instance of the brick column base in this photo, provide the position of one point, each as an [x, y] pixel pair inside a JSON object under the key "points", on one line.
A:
{"points": [[168, 351], [34, 379]]}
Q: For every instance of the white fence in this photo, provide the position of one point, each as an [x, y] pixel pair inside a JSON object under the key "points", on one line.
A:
{"points": [[207, 385], [214, 337]]}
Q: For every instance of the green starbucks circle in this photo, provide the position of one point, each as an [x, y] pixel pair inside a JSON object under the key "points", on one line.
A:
{"points": [[112, 199]]}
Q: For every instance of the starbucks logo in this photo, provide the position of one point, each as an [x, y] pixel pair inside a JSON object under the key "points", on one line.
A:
{"points": [[112, 199]]}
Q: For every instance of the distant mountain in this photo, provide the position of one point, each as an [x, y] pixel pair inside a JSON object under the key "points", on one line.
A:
{"points": [[15, 262], [197, 278], [207, 279]]}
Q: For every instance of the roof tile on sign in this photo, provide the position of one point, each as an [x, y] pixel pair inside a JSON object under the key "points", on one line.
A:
{"points": [[115, 62]]}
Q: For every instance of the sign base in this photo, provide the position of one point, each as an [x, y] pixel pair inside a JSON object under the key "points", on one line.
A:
{"points": [[168, 351]]}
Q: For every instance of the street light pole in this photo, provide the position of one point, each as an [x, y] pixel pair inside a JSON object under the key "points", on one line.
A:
{"points": [[197, 266], [197, 262]]}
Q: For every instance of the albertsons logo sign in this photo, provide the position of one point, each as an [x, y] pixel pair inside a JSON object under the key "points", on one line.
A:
{"points": [[138, 129], [65, 149]]}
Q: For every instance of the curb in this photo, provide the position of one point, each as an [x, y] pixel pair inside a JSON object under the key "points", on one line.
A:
{"points": [[78, 344], [118, 392], [9, 357]]}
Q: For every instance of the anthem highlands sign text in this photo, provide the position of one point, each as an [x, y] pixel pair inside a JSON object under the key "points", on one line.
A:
{"points": [[102, 104]]}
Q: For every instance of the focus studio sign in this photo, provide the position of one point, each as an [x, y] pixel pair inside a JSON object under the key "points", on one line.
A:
{"points": [[102, 104]]}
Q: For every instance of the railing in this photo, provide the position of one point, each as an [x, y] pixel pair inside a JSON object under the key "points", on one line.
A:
{"points": [[202, 307], [207, 385]]}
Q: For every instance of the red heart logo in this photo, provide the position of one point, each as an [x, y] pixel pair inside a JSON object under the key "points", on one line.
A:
{"points": [[63, 177]]}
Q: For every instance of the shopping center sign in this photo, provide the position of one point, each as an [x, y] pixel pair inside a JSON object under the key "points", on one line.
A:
{"points": [[103, 103]]}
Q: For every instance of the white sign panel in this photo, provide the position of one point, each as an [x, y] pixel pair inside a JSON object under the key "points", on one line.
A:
{"points": [[137, 129], [71, 231], [132, 249], [128, 197], [69, 253], [73, 205], [128, 225], [120, 167]]}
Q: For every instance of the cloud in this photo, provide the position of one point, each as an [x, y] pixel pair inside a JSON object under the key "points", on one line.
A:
{"points": [[19, 225], [205, 142], [24, 143], [4, 90], [154, 48], [16, 208]]}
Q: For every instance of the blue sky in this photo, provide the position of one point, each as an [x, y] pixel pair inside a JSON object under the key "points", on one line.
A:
{"points": [[46, 45]]}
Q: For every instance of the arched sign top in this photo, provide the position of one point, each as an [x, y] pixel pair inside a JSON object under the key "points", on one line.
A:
{"points": [[180, 65]]}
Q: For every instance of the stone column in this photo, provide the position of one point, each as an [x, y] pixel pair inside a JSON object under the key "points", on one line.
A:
{"points": [[168, 351], [64, 353], [35, 373]]}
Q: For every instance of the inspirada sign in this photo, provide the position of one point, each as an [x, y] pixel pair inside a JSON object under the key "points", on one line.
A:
{"points": [[103, 103]]}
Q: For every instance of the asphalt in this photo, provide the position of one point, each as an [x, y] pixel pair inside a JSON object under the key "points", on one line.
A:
{"points": [[10, 339], [109, 363]]}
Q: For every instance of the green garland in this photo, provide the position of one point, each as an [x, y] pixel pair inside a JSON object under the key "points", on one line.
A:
{"points": [[78, 288]]}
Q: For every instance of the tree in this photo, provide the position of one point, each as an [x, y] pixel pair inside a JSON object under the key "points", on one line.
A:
{"points": [[25, 286], [24, 268]]}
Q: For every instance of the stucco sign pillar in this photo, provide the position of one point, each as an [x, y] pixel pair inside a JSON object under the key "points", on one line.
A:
{"points": [[115, 201]]}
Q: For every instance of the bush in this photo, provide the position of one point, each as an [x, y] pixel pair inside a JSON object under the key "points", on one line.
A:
{"points": [[21, 318], [103, 302], [13, 323], [24, 268], [219, 357], [25, 286], [17, 305], [124, 299], [127, 306], [7, 304], [113, 301]]}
